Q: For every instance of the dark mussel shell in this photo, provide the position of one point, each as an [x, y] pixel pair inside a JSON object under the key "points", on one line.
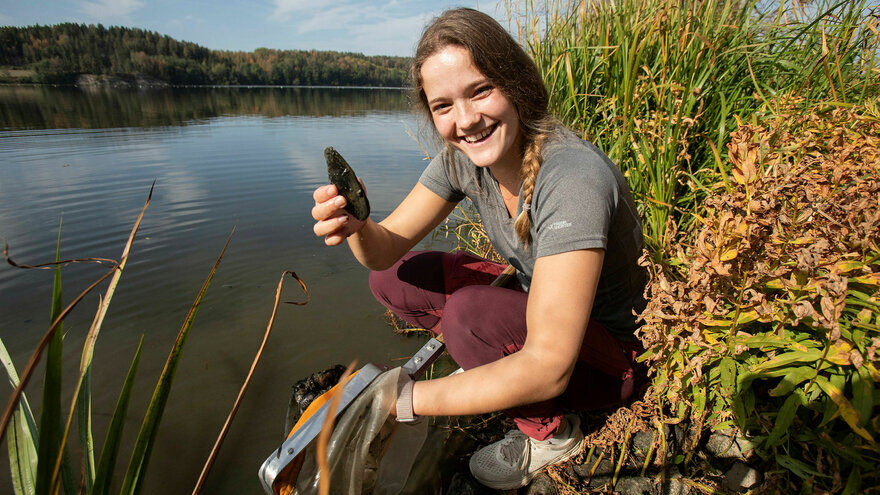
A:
{"points": [[308, 389], [343, 177]]}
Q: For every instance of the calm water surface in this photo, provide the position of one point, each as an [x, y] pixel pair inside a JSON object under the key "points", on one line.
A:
{"points": [[221, 158]]}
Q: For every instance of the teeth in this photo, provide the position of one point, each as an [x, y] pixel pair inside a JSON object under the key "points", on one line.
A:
{"points": [[473, 138]]}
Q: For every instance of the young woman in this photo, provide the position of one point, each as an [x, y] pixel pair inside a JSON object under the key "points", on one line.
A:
{"points": [[554, 206]]}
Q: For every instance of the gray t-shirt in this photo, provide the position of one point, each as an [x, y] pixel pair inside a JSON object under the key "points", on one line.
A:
{"points": [[581, 201]]}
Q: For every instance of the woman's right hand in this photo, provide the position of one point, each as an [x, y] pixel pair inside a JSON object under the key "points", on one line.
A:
{"points": [[332, 222]]}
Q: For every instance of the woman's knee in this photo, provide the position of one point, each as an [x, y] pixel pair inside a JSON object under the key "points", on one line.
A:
{"points": [[390, 286], [382, 284], [470, 329], [463, 309]]}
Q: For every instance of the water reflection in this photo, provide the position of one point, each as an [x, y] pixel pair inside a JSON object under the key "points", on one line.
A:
{"points": [[42, 107], [252, 163]]}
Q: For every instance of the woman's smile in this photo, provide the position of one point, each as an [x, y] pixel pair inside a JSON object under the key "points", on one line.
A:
{"points": [[479, 136]]}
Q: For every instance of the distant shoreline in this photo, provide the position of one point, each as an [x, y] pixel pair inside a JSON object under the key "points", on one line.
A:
{"points": [[178, 86]]}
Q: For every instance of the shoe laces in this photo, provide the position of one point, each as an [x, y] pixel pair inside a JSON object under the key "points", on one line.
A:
{"points": [[513, 447]]}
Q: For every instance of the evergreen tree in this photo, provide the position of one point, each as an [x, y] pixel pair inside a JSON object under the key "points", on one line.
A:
{"points": [[60, 53]]}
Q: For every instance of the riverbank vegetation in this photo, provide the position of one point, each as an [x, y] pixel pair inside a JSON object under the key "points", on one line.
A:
{"points": [[749, 134], [59, 54], [39, 445]]}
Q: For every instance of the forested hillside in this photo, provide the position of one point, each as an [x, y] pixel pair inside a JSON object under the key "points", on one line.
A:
{"points": [[60, 53]]}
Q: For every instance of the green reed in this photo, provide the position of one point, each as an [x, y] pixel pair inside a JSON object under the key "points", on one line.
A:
{"points": [[660, 84], [38, 456]]}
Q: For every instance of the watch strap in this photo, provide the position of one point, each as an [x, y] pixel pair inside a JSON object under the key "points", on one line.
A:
{"points": [[405, 403]]}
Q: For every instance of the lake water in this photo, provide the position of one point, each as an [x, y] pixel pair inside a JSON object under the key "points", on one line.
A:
{"points": [[247, 158]]}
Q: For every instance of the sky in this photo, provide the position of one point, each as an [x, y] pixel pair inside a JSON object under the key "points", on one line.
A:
{"points": [[371, 27]]}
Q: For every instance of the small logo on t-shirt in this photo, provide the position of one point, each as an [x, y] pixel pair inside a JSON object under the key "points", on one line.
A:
{"points": [[562, 224]]}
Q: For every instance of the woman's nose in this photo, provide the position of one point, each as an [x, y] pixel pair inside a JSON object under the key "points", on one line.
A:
{"points": [[466, 116]]}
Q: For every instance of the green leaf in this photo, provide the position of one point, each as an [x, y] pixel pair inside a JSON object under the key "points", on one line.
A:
{"points": [[853, 482], [84, 416], [788, 358], [110, 451], [863, 395], [791, 380], [699, 395], [50, 407], [140, 456], [785, 417], [797, 467], [830, 409], [758, 341], [20, 436], [728, 377], [846, 409]]}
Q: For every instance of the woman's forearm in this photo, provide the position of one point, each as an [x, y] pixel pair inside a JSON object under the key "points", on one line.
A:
{"points": [[376, 247], [512, 381]]}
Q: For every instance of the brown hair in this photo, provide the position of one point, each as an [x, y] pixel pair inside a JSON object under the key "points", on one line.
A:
{"points": [[507, 66]]}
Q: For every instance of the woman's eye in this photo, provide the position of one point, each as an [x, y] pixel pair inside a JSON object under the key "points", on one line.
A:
{"points": [[439, 107], [484, 89]]}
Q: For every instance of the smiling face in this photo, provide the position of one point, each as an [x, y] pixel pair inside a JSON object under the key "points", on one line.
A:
{"points": [[469, 112]]}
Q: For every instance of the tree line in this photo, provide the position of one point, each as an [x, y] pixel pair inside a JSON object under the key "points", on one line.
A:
{"points": [[61, 52]]}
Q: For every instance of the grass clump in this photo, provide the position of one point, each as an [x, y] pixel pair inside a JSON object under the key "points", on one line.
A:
{"points": [[659, 84]]}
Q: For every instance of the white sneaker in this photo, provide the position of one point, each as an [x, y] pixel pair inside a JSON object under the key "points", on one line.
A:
{"points": [[514, 460]]}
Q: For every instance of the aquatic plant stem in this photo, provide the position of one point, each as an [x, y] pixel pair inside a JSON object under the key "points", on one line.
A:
{"points": [[44, 342], [92, 336], [327, 430], [200, 484]]}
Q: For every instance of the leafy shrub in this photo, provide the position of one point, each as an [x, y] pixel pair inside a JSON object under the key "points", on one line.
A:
{"points": [[768, 316]]}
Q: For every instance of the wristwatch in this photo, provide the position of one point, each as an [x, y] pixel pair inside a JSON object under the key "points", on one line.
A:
{"points": [[405, 403]]}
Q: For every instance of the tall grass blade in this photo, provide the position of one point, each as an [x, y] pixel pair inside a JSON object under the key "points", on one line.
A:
{"points": [[84, 426], [92, 336], [110, 451], [50, 444], [22, 438], [146, 439]]}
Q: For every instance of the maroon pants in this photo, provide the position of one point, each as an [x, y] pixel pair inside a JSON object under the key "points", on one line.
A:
{"points": [[481, 324]]}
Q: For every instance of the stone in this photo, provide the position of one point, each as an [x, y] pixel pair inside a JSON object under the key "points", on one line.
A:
{"points": [[675, 486], [740, 477], [637, 485], [726, 446], [642, 442], [605, 466], [600, 482], [463, 485], [541, 485]]}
